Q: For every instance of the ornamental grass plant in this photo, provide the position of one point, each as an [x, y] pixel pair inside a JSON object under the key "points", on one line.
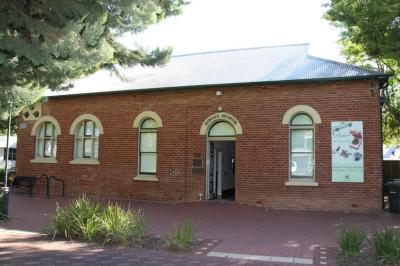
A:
{"points": [[351, 240], [78, 220], [87, 220], [123, 226], [386, 245], [181, 237]]}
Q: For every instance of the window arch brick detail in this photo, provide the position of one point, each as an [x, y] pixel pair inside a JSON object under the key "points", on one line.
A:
{"points": [[218, 117], [46, 119], [301, 109], [86, 117], [147, 114]]}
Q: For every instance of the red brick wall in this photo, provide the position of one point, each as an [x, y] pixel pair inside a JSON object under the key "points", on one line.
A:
{"points": [[261, 152]]}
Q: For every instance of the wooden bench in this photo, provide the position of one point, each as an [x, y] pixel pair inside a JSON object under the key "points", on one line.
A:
{"points": [[26, 183]]}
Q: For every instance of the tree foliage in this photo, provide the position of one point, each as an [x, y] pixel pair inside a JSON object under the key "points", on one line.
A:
{"points": [[371, 38], [4, 126], [46, 43]]}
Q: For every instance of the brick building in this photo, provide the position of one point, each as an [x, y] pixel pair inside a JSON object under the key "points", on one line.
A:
{"points": [[268, 126]]}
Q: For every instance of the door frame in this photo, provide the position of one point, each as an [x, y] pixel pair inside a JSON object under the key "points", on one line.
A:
{"points": [[208, 140]]}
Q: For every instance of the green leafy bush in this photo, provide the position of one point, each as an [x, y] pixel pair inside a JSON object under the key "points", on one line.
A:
{"points": [[351, 240], [89, 229], [86, 220], [62, 223], [78, 220], [123, 226], [386, 245], [182, 237]]}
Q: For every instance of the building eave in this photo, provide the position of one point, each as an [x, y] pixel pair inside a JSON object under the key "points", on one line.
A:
{"points": [[226, 85]]}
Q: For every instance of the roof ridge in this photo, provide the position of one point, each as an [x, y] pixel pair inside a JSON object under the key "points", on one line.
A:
{"points": [[241, 49], [345, 64]]}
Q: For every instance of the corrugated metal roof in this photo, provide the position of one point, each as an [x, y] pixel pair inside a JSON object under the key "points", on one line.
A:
{"points": [[250, 65]]}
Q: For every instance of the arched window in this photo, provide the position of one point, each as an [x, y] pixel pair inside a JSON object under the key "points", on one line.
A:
{"points": [[87, 140], [46, 141], [222, 129], [301, 147], [148, 147]]}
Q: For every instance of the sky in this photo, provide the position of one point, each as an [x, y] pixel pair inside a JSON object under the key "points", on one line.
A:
{"points": [[209, 25]]}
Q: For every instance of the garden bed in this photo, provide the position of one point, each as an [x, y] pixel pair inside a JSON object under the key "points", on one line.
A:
{"points": [[92, 222], [365, 258], [357, 247]]}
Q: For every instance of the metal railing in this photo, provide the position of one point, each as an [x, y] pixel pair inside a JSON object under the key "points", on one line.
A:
{"points": [[48, 179]]}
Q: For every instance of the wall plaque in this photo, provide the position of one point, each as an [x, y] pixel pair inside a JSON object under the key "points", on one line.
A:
{"points": [[219, 116], [197, 162]]}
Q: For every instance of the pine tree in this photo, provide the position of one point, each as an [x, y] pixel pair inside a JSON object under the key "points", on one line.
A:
{"points": [[46, 43]]}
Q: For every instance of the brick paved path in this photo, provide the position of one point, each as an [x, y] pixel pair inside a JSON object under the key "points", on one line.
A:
{"points": [[18, 248], [239, 229]]}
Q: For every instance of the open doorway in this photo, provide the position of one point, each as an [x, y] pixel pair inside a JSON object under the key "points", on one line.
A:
{"points": [[222, 170], [222, 130]]}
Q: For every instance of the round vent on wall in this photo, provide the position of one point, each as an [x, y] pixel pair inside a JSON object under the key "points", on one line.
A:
{"points": [[32, 112]]}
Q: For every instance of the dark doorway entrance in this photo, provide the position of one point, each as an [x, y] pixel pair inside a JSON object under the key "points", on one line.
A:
{"points": [[222, 170]]}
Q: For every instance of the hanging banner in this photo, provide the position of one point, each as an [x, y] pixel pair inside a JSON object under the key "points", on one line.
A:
{"points": [[347, 151]]}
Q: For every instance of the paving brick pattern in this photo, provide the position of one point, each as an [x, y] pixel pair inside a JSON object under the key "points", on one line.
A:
{"points": [[237, 229], [17, 248]]}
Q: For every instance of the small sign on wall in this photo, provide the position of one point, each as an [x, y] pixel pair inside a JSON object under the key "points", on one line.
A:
{"points": [[347, 151], [197, 162]]}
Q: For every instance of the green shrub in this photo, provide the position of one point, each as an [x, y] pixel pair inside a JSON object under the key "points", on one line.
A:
{"points": [[351, 240], [122, 226], [62, 223], [386, 245], [87, 220], [89, 229], [78, 220], [140, 229], [182, 237]]}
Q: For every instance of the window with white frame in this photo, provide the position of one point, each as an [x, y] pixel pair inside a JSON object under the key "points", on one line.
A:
{"points": [[148, 147], [46, 141], [301, 147], [87, 140]]}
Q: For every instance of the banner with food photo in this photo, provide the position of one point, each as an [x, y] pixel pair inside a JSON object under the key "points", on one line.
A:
{"points": [[347, 151]]}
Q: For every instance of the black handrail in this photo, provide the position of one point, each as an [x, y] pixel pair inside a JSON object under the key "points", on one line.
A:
{"points": [[48, 178], [59, 180]]}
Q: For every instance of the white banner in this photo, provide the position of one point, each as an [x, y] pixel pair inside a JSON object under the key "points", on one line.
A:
{"points": [[347, 151]]}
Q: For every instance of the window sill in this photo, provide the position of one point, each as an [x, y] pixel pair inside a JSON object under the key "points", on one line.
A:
{"points": [[146, 178], [44, 160], [302, 183], [85, 161]]}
